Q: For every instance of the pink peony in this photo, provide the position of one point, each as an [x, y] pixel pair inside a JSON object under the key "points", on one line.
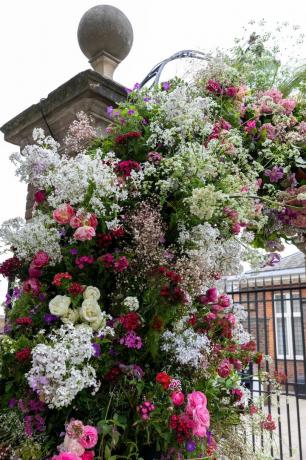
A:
{"points": [[32, 285], [274, 94], [63, 214], [224, 368], [201, 421], [224, 300], [66, 456], [34, 272], [177, 398], [84, 233], [41, 259], [89, 437], [195, 399], [75, 222]]}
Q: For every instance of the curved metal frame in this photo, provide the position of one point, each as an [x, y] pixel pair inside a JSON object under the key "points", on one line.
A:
{"points": [[158, 68]]}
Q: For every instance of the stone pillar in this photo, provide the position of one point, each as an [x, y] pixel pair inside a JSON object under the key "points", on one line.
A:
{"points": [[105, 36]]}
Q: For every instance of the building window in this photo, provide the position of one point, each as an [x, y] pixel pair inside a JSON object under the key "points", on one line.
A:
{"points": [[288, 325]]}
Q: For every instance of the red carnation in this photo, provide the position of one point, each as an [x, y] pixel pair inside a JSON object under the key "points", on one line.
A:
{"points": [[40, 196], [24, 354], [24, 321], [164, 379], [130, 321], [57, 280], [118, 232]]}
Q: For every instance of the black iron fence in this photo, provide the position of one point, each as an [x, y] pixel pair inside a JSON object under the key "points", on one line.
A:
{"points": [[276, 318]]}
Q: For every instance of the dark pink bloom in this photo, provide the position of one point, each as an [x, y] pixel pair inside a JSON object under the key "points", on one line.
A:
{"points": [[236, 228], [268, 423], [224, 300], [154, 157], [275, 174], [250, 126], [224, 368], [214, 87], [231, 91], [41, 259], [63, 214], [89, 437], [107, 260], [88, 455], [121, 264], [34, 272], [125, 167], [177, 398], [289, 105], [32, 285], [40, 196]]}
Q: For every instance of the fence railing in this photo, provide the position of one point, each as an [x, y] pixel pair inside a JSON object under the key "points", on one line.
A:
{"points": [[276, 308]]}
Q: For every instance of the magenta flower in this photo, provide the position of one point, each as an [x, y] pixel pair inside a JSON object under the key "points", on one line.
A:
{"points": [[275, 174], [131, 340]]}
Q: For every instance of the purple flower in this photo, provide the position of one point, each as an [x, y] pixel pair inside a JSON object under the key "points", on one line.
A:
{"points": [[166, 85], [131, 340], [110, 110], [12, 403], [144, 121], [136, 86], [97, 349], [273, 259], [131, 112], [73, 251], [42, 297], [128, 90], [49, 318], [17, 293], [275, 174], [146, 99], [8, 299], [191, 446]]}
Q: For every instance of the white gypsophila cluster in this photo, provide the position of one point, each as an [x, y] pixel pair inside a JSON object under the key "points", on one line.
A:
{"points": [[187, 348], [27, 238], [202, 243], [37, 161], [131, 303], [204, 201], [61, 369], [83, 174]]}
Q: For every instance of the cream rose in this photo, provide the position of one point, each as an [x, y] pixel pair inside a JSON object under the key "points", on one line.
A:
{"points": [[90, 310], [59, 305], [91, 292], [71, 317]]}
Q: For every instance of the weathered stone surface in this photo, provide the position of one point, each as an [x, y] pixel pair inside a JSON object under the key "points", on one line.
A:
{"points": [[88, 91], [105, 36]]}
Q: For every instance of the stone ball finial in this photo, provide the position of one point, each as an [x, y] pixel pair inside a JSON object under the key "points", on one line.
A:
{"points": [[105, 36]]}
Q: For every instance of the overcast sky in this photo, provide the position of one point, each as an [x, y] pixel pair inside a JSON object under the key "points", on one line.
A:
{"points": [[39, 50]]}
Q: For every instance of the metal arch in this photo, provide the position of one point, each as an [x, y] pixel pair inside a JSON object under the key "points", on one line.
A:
{"points": [[158, 68]]}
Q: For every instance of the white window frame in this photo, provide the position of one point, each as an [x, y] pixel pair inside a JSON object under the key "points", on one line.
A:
{"points": [[286, 317]]}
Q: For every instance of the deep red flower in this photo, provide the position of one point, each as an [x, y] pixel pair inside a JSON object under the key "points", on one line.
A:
{"points": [[113, 374], [24, 321], [118, 232], [10, 266], [258, 358], [130, 321], [121, 264], [173, 276], [164, 379], [268, 423], [130, 135], [125, 167], [75, 289], [104, 239], [24, 354], [107, 260], [39, 196], [214, 87], [57, 280], [249, 346]]}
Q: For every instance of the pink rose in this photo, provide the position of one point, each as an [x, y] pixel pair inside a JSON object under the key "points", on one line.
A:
{"points": [[89, 455], [177, 398], [63, 214], [89, 437], [224, 368], [66, 456], [224, 300], [75, 222], [231, 318], [92, 221], [84, 233], [41, 259]]}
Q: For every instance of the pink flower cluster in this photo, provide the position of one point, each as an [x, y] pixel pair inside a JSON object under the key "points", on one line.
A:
{"points": [[119, 265], [78, 438], [145, 409], [131, 340], [215, 87], [197, 411], [84, 223]]}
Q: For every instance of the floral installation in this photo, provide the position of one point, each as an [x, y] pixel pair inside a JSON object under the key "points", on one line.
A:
{"points": [[116, 327]]}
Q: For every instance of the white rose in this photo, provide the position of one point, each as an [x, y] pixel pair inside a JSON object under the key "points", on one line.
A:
{"points": [[90, 310], [91, 292], [131, 303], [59, 305], [100, 323], [71, 317]]}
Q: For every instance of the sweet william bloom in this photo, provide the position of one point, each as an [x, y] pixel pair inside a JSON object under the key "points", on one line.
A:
{"points": [[34, 272], [89, 437], [24, 321], [177, 398], [59, 277], [214, 87], [121, 264], [107, 260], [224, 368], [250, 126], [231, 91], [85, 233], [63, 214], [236, 228], [23, 355]]}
